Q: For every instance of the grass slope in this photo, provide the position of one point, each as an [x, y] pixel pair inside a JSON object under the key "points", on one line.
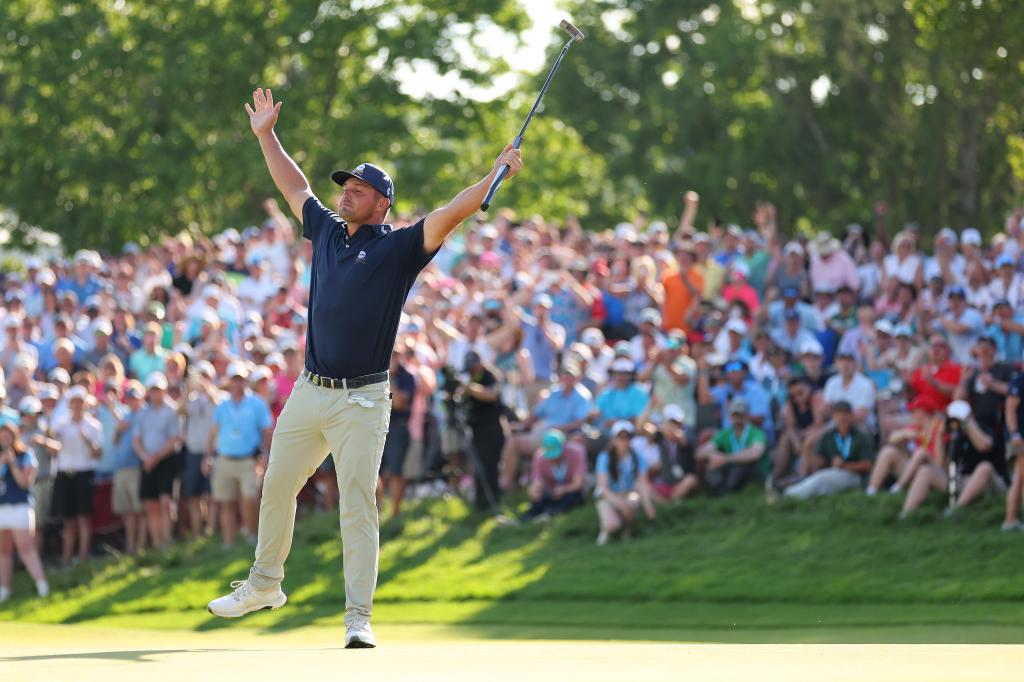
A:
{"points": [[733, 569]]}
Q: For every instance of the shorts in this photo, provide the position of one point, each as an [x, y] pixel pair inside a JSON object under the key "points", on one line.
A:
{"points": [[159, 482], [193, 482], [42, 492], [17, 517], [124, 498], [234, 476], [396, 447], [662, 489], [72, 494], [413, 467]]}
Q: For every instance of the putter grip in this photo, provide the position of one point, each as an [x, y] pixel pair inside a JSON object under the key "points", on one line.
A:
{"points": [[494, 188]]}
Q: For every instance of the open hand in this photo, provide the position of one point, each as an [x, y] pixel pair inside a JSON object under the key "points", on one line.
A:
{"points": [[508, 157], [263, 117]]}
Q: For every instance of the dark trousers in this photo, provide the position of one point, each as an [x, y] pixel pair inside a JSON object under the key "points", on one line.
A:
{"points": [[554, 505], [730, 478], [488, 442]]}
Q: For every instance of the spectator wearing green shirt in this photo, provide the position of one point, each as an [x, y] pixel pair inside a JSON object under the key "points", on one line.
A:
{"points": [[849, 452], [731, 457], [151, 357]]}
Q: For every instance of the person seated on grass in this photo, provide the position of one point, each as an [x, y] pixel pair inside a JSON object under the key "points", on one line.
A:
{"points": [[622, 485], [803, 421], [674, 474], [907, 449], [978, 467], [1015, 452], [848, 450], [731, 456], [557, 478]]}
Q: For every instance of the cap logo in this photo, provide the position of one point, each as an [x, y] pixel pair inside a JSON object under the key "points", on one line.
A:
{"points": [[360, 169]]}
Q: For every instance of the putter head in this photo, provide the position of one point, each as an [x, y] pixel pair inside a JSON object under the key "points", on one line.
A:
{"points": [[571, 30]]}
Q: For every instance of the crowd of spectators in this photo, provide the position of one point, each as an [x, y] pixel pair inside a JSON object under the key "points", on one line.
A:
{"points": [[633, 367]]}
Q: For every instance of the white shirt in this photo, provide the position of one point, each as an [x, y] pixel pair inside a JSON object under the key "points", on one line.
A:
{"points": [[75, 438], [860, 393], [906, 271], [1013, 293]]}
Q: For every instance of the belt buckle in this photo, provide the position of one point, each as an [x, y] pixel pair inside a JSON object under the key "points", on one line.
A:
{"points": [[316, 379]]}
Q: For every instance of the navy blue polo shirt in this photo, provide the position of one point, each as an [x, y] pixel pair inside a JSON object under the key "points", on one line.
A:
{"points": [[357, 289]]}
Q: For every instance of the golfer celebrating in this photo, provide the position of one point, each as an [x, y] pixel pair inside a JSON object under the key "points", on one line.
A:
{"points": [[362, 273]]}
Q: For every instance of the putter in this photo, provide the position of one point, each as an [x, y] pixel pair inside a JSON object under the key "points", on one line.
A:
{"points": [[575, 34]]}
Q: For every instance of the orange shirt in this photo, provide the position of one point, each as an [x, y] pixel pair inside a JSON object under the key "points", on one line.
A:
{"points": [[679, 298]]}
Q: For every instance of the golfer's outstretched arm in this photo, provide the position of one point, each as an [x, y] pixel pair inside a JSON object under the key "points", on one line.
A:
{"points": [[442, 221], [287, 176]]}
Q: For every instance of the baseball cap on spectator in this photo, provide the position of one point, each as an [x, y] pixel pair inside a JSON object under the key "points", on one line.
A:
{"points": [[623, 365], [582, 350], [204, 368], [24, 361], [30, 405], [372, 176], [674, 342], [1000, 303], [622, 426], [902, 330], [971, 236], [947, 234], [735, 366], [275, 359], [738, 405], [46, 278], [812, 347], [570, 368], [884, 326], [650, 316], [737, 326], [59, 375], [791, 314], [77, 393], [1005, 260], [12, 321], [740, 270], [15, 295], [959, 409], [956, 290], [134, 389], [842, 406], [623, 348], [488, 231], [152, 328], [624, 231], [793, 247], [156, 380], [701, 238], [48, 392], [263, 373], [657, 227], [238, 369], [552, 444], [33, 263], [157, 310], [579, 264], [790, 292], [102, 327], [673, 413], [592, 336], [544, 301], [9, 418]]}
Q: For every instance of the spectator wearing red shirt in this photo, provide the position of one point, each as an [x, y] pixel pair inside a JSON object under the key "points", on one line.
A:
{"points": [[933, 383]]}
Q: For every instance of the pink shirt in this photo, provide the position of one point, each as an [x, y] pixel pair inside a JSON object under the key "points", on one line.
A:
{"points": [[551, 473], [284, 387], [831, 274]]}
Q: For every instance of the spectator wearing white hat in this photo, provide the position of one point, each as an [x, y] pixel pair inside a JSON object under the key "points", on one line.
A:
{"points": [[622, 400], [649, 340], [197, 409], [103, 332], [792, 336], [81, 441], [157, 438], [603, 356], [733, 341], [15, 345], [19, 382], [831, 267], [673, 474], [622, 485], [241, 432], [946, 264], [125, 500], [1007, 284]]}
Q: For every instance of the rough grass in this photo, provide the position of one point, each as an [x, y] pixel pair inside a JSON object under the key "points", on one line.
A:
{"points": [[733, 569]]}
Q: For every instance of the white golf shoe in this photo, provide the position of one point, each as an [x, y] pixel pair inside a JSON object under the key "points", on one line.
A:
{"points": [[246, 599], [358, 633]]}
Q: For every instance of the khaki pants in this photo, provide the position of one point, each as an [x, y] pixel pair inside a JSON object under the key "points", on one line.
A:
{"points": [[351, 424]]}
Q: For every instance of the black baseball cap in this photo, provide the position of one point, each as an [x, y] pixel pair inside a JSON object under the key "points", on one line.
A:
{"points": [[371, 175]]}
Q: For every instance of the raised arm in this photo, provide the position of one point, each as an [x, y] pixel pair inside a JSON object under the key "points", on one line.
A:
{"points": [[442, 221], [285, 172]]}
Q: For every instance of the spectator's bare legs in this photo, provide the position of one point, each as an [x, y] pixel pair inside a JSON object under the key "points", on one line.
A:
{"points": [[809, 459], [917, 460], [517, 447], [67, 537], [685, 487], [132, 537], [396, 485], [926, 479], [609, 517], [977, 483], [1015, 496], [25, 542], [250, 516], [6, 558], [84, 537], [158, 517], [229, 522], [195, 516], [789, 445], [891, 461]]}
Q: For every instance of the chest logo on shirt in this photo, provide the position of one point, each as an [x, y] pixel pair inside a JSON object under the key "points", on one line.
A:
{"points": [[361, 258]]}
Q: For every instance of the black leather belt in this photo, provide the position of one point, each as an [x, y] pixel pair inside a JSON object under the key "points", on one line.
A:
{"points": [[357, 382]]}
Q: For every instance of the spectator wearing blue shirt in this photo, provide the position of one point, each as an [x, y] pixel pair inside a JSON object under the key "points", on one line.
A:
{"points": [[565, 408], [962, 325], [544, 340], [792, 334], [125, 465], [17, 472], [1007, 330], [623, 400], [622, 485], [241, 430], [85, 283], [738, 384], [809, 319]]}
